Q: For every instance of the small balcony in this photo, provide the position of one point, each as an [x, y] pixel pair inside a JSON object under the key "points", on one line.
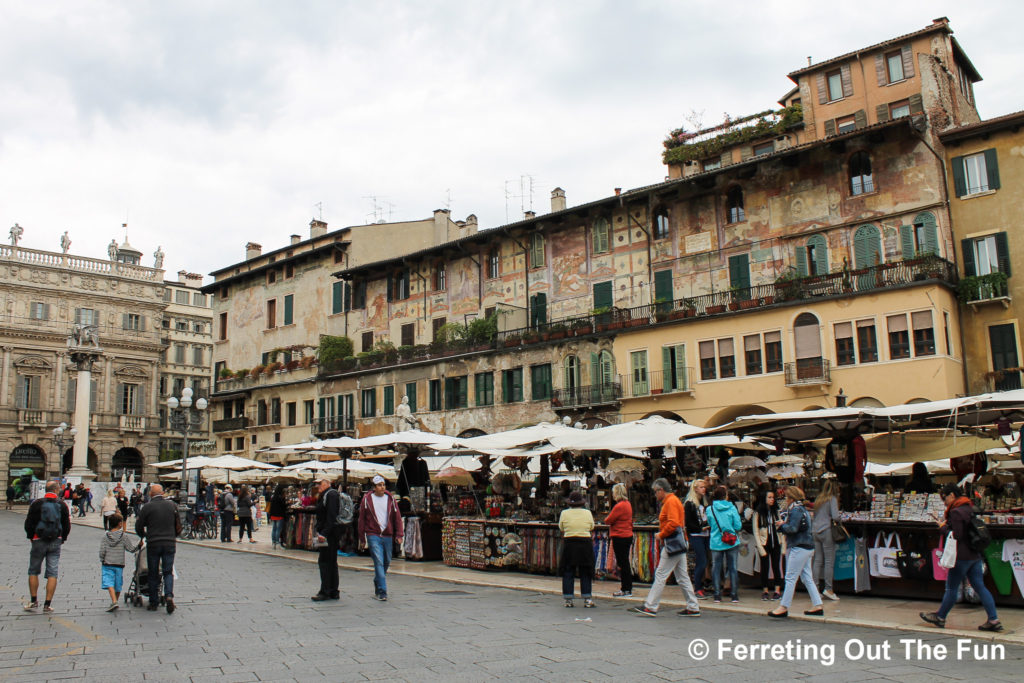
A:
{"points": [[1006, 379], [980, 290], [586, 396], [807, 372], [656, 383], [231, 424], [334, 424]]}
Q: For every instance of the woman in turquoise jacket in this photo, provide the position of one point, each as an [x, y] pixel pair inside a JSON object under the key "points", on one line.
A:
{"points": [[723, 518]]}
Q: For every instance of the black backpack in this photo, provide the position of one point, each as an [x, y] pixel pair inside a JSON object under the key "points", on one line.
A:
{"points": [[49, 526], [978, 535]]}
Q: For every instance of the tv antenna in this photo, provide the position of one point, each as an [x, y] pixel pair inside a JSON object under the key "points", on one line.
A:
{"points": [[319, 211], [382, 209], [524, 194]]}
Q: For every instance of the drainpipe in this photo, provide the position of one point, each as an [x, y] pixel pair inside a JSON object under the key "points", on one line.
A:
{"points": [[526, 272], [647, 231]]}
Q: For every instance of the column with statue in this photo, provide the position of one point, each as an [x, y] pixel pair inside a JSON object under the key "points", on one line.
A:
{"points": [[83, 350]]}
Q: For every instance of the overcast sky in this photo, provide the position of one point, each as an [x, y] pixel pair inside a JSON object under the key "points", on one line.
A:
{"points": [[205, 124]]}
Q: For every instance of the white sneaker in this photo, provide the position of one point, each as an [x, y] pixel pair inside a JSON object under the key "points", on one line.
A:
{"points": [[830, 595]]}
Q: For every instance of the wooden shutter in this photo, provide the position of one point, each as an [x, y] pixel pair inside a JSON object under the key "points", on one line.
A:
{"points": [[822, 89], [967, 249], [663, 285], [602, 295], [820, 253], [390, 287], [830, 127], [907, 241], [807, 341], [337, 296], [595, 368], [844, 73], [907, 53], [959, 179], [931, 236], [739, 271], [1003, 253], [881, 73], [288, 308], [865, 247], [72, 394], [882, 113], [666, 368], [801, 262], [916, 104], [746, 151], [992, 166], [607, 368], [124, 321], [860, 118], [726, 158]]}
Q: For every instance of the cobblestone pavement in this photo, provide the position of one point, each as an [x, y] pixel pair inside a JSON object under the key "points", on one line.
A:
{"points": [[246, 617]]}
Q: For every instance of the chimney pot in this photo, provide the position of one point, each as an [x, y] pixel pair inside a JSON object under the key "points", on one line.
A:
{"points": [[296, 239], [252, 250], [529, 214], [557, 200], [317, 228], [618, 191]]}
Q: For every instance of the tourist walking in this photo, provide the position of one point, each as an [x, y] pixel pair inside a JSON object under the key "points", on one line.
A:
{"points": [[576, 524], [276, 510], [671, 523], [620, 530], [88, 500], [108, 506], [328, 535], [122, 504], [244, 512], [227, 513], [380, 525], [697, 529], [113, 544], [795, 525], [958, 518], [769, 543], [725, 525], [11, 493], [826, 510], [159, 523], [47, 526]]}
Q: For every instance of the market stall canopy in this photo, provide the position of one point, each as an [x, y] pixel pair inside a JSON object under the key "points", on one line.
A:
{"points": [[411, 437], [251, 476], [746, 462], [198, 462], [649, 432], [804, 425], [233, 462], [455, 476], [625, 465], [357, 469], [923, 445], [905, 469], [514, 438], [436, 463]]}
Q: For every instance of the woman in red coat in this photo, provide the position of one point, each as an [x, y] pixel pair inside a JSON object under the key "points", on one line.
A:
{"points": [[620, 528]]}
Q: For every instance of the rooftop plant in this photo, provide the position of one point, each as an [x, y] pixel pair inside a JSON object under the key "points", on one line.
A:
{"points": [[682, 146]]}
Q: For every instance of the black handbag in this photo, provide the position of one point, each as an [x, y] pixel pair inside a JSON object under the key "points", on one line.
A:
{"points": [[676, 543], [839, 532], [915, 564]]}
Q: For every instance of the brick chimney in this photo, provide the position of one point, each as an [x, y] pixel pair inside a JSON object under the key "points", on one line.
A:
{"points": [[295, 239], [317, 228], [527, 215], [252, 250], [557, 200]]}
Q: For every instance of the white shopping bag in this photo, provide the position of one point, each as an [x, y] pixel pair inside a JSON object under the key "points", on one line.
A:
{"points": [[883, 557], [747, 553]]}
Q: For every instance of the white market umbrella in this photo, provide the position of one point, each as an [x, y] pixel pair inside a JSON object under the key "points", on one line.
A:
{"points": [[515, 438], [410, 437], [648, 432], [746, 462]]}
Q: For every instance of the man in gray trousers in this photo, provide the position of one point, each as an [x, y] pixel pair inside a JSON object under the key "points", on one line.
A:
{"points": [[160, 524]]}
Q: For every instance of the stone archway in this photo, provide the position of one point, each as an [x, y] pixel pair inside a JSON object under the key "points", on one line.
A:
{"points": [[470, 433], [667, 414], [91, 460], [26, 461], [126, 461], [729, 414]]}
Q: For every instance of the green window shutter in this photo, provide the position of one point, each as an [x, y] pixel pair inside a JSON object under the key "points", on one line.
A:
{"points": [[865, 247], [959, 180], [931, 236], [860, 118], [595, 368], [882, 113], [506, 384], [967, 249], [739, 271], [916, 104], [289, 301], [391, 287], [538, 310], [607, 368], [801, 262], [389, 400], [907, 241], [663, 285], [992, 166], [602, 295], [820, 253], [666, 368], [1003, 253], [336, 296], [830, 127]]}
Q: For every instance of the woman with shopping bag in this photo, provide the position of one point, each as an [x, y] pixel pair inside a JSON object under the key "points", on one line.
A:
{"points": [[796, 526], [968, 562]]}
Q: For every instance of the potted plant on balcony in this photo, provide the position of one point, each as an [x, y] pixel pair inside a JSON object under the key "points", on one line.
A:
{"points": [[225, 373], [531, 337], [558, 331], [714, 308], [511, 340], [256, 370], [787, 285], [271, 368], [241, 374], [602, 317], [307, 362], [582, 326], [291, 365]]}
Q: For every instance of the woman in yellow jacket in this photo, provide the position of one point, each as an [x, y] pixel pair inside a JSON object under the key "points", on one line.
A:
{"points": [[576, 524]]}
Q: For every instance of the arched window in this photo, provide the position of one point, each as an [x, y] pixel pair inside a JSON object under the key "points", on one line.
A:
{"points": [[601, 236], [536, 250], [602, 376], [861, 179], [734, 212], [807, 345], [572, 375], [660, 224], [867, 247], [812, 258], [920, 238]]}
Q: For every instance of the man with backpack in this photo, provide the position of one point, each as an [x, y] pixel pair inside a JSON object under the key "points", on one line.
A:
{"points": [[972, 537], [47, 525], [328, 536]]}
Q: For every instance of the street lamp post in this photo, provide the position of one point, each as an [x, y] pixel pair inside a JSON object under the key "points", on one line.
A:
{"points": [[181, 421], [59, 442]]}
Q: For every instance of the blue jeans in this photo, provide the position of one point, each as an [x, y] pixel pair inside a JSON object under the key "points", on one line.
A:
{"points": [[275, 530], [972, 571], [161, 560], [701, 549], [380, 550], [730, 566], [798, 566]]}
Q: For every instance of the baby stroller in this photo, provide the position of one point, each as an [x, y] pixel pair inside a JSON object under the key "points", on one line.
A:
{"points": [[139, 585]]}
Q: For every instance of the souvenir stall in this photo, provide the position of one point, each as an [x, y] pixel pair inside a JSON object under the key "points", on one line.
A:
{"points": [[890, 512]]}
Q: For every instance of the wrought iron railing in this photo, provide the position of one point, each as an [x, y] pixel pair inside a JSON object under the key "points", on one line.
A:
{"points": [[334, 424], [231, 424], [653, 383], [589, 395], [808, 371]]}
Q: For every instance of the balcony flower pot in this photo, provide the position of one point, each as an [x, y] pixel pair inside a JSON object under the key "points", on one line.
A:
{"points": [[768, 300], [750, 303], [734, 306], [655, 392], [581, 330], [557, 334]]}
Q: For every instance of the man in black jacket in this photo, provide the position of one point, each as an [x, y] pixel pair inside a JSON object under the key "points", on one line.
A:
{"points": [[159, 523], [328, 535], [43, 548]]}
